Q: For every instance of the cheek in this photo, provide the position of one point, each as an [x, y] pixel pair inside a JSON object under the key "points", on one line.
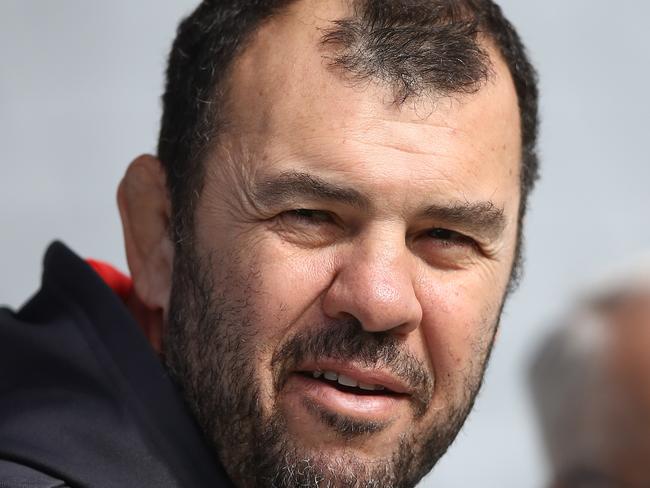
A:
{"points": [[459, 320], [291, 282]]}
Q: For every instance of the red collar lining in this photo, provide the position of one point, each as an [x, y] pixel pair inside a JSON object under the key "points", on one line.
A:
{"points": [[119, 282]]}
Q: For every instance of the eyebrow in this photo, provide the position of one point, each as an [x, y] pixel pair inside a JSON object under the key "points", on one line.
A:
{"points": [[295, 185], [482, 218]]}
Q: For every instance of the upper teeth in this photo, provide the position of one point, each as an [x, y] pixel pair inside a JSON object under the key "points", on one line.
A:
{"points": [[346, 380]]}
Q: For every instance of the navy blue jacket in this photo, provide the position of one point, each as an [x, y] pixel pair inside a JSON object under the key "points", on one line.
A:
{"points": [[84, 400]]}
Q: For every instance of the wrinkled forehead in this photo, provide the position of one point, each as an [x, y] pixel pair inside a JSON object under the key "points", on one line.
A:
{"points": [[284, 77]]}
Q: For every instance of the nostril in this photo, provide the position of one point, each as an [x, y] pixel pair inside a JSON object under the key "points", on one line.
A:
{"points": [[405, 328]]}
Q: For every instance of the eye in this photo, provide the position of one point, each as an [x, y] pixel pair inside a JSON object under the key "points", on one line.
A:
{"points": [[308, 216], [308, 228], [446, 248], [449, 237]]}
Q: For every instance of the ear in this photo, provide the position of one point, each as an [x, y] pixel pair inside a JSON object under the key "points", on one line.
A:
{"points": [[145, 210]]}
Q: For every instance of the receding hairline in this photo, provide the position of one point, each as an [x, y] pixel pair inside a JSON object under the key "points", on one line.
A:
{"points": [[327, 50], [362, 46]]}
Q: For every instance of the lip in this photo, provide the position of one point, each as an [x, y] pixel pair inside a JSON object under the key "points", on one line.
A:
{"points": [[358, 373], [313, 394]]}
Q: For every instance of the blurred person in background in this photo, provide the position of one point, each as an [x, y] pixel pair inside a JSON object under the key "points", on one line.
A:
{"points": [[591, 386]]}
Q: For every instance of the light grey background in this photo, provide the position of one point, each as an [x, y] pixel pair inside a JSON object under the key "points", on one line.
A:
{"points": [[79, 88]]}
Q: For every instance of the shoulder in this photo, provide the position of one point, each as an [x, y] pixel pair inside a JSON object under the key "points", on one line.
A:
{"points": [[84, 398], [14, 475]]}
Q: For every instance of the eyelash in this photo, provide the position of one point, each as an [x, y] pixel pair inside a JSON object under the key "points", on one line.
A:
{"points": [[308, 215], [445, 237], [450, 237]]}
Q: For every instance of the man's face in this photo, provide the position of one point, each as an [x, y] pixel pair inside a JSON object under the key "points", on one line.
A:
{"points": [[333, 312]]}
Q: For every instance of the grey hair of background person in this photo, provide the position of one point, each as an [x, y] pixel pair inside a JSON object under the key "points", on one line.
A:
{"points": [[571, 380], [569, 386], [79, 99]]}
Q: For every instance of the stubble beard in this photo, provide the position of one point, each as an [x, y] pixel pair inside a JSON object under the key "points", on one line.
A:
{"points": [[210, 350]]}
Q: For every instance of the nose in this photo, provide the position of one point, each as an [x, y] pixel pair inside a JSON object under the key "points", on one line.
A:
{"points": [[375, 285]]}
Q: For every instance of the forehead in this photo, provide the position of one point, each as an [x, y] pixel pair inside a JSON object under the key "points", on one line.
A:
{"points": [[283, 91]]}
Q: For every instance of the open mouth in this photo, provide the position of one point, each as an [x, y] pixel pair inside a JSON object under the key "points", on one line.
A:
{"points": [[347, 384], [346, 391]]}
